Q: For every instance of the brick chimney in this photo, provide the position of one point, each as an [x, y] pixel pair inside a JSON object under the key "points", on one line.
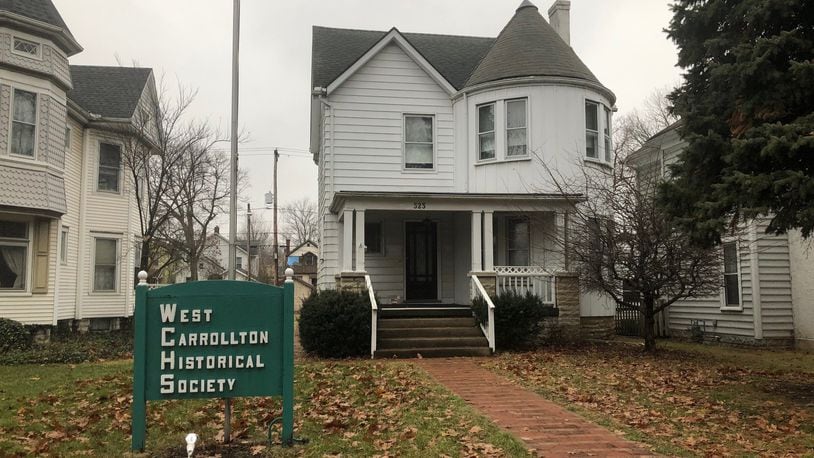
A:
{"points": [[559, 16]]}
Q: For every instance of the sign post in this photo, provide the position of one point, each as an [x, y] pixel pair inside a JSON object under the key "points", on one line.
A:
{"points": [[213, 339]]}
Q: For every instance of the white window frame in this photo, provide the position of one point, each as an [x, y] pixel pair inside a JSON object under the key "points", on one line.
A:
{"points": [[607, 134], [597, 132], [17, 52], [238, 262], [404, 143], [11, 122], [26, 243], [99, 166], [116, 275], [64, 235], [506, 154], [380, 225], [478, 132], [724, 305]]}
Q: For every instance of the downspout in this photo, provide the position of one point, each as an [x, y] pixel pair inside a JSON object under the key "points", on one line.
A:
{"points": [[757, 308], [80, 262], [469, 165], [333, 132]]}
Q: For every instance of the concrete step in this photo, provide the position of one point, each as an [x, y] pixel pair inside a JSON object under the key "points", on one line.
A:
{"points": [[448, 331], [395, 311], [433, 342], [438, 352], [438, 322]]}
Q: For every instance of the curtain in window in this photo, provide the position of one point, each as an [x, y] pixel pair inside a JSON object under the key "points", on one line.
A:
{"points": [[12, 267], [418, 141], [486, 131], [23, 123], [516, 127]]}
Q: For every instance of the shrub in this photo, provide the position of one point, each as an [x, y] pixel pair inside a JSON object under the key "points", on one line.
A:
{"points": [[74, 347], [13, 336], [518, 319], [336, 324]]}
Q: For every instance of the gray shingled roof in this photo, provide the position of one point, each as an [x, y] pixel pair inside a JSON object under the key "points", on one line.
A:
{"points": [[529, 46], [335, 50], [112, 92], [40, 10]]}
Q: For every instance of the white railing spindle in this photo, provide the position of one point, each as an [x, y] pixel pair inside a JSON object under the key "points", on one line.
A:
{"points": [[374, 312], [526, 279]]}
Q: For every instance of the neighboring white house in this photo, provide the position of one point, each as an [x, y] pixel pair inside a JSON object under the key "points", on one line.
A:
{"points": [[215, 263], [766, 297], [430, 151], [68, 220]]}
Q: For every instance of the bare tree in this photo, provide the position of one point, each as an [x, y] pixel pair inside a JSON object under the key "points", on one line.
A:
{"points": [[632, 129], [301, 220]]}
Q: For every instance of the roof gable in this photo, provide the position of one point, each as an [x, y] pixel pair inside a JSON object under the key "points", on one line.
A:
{"points": [[110, 92], [42, 12], [529, 46]]}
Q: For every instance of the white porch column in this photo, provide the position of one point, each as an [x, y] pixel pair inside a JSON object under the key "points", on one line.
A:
{"points": [[476, 242], [347, 241], [360, 240], [488, 242], [561, 231]]}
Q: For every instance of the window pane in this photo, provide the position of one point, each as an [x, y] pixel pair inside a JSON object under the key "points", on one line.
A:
{"points": [[486, 118], [591, 116], [63, 246], [487, 145], [418, 129], [26, 46], [517, 142], [25, 104], [108, 180], [418, 155], [22, 139], [607, 121], [106, 251], [110, 155], [104, 278], [591, 145], [13, 229], [732, 289], [373, 237], [518, 258], [12, 266], [516, 113], [518, 234], [730, 258]]}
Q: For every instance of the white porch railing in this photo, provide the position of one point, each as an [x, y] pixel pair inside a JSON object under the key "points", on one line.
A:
{"points": [[526, 279], [374, 312], [489, 329]]}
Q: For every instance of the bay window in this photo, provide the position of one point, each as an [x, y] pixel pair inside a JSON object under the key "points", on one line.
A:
{"points": [[418, 142], [14, 240], [591, 129], [607, 130], [516, 124], [486, 131], [24, 123]]}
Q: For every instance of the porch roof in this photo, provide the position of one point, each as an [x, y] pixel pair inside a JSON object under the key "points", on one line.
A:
{"points": [[452, 201]]}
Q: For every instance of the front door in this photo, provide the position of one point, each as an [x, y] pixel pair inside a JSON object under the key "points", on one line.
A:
{"points": [[421, 274]]}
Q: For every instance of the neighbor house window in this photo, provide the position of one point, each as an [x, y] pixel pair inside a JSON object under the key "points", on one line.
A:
{"points": [[591, 129], [13, 254], [607, 128], [732, 286], [63, 246], [373, 238], [104, 264], [24, 123], [110, 160], [486, 132], [516, 123], [238, 262], [418, 142], [517, 241], [26, 47], [67, 137]]}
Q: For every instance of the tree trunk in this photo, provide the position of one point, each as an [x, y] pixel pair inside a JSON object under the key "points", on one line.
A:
{"points": [[649, 324], [193, 269]]}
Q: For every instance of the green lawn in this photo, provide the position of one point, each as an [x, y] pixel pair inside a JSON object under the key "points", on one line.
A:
{"points": [[344, 408], [688, 400]]}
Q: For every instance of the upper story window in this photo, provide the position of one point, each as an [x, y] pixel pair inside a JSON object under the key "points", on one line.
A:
{"points": [[24, 123], [591, 129], [607, 130], [104, 265], [110, 163], [63, 246], [486, 131], [516, 128], [732, 287], [27, 48], [418, 142], [13, 254]]}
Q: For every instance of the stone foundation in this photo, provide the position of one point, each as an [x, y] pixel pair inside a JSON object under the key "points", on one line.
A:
{"points": [[489, 282], [597, 327], [351, 281], [568, 297], [735, 341]]}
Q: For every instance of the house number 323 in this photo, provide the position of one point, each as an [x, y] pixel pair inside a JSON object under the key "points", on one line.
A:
{"points": [[419, 205]]}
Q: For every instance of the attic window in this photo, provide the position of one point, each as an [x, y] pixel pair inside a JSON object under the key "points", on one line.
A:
{"points": [[26, 47]]}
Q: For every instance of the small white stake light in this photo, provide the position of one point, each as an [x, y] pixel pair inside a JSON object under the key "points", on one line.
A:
{"points": [[191, 439]]}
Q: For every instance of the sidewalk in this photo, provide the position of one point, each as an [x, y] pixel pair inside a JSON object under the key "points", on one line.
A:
{"points": [[546, 428]]}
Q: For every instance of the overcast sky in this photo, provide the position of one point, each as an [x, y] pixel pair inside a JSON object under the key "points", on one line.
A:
{"points": [[621, 41]]}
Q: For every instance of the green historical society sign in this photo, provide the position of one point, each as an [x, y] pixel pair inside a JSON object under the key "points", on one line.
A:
{"points": [[213, 339]]}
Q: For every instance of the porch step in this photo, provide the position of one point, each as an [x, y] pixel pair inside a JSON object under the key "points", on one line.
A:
{"points": [[412, 311], [457, 331], [432, 322], [432, 342], [436, 352]]}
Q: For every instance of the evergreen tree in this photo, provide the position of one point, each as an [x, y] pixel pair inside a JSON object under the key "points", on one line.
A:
{"points": [[747, 102]]}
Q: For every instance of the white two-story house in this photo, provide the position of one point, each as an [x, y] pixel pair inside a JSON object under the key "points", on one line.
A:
{"points": [[69, 228], [432, 154]]}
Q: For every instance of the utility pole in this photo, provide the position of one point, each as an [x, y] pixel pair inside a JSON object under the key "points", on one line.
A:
{"points": [[276, 245], [249, 239], [227, 411]]}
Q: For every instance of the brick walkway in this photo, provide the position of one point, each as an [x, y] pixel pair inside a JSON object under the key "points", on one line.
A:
{"points": [[546, 428]]}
